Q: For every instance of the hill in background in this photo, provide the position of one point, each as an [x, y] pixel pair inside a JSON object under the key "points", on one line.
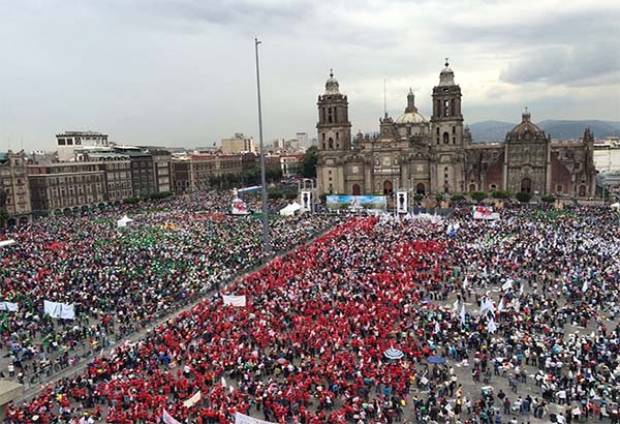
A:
{"points": [[487, 131]]}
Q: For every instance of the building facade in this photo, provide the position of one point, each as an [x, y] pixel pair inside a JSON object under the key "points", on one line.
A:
{"points": [[68, 185], [195, 172], [238, 144], [14, 189], [142, 170], [117, 167], [68, 141], [438, 156]]}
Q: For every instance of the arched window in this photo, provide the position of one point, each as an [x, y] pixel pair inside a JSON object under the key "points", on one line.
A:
{"points": [[330, 143], [582, 190], [446, 108], [446, 138], [356, 191], [387, 187], [472, 188], [526, 185], [452, 107], [329, 115], [420, 189]]}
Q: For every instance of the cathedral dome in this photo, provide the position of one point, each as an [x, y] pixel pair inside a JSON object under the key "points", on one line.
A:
{"points": [[331, 85], [411, 115], [525, 130]]}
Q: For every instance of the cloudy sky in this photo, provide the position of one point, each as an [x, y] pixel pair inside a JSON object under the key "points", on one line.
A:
{"points": [[181, 72]]}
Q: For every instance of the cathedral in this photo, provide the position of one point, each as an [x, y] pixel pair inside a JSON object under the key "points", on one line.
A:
{"points": [[425, 156]]}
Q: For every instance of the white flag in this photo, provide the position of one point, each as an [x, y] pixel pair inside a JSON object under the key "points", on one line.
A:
{"points": [[521, 289], [59, 310], [246, 419], [491, 327], [465, 283], [584, 288], [8, 306], [234, 300], [223, 381], [193, 400], [437, 327], [168, 419], [455, 305], [462, 314], [486, 305], [500, 307]]}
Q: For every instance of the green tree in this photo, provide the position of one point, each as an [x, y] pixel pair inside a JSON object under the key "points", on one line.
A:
{"points": [[4, 217], [548, 199], [439, 197], [523, 197], [478, 196], [311, 157], [498, 194], [457, 198]]}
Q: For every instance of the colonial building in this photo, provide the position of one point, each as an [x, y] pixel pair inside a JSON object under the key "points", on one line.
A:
{"points": [[14, 189], [194, 172], [66, 185], [438, 156]]}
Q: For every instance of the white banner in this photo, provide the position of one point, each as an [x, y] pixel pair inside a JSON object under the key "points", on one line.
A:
{"points": [[246, 419], [59, 310], [168, 419], [234, 300], [6, 243], [402, 204], [238, 207], [193, 400], [485, 212], [122, 223], [306, 200], [8, 306]]}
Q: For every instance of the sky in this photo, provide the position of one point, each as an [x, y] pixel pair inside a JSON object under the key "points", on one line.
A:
{"points": [[182, 72]]}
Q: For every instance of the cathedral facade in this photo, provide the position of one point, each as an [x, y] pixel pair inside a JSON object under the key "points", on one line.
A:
{"points": [[436, 155]]}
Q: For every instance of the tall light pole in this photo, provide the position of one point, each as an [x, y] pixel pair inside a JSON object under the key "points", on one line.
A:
{"points": [[263, 179]]}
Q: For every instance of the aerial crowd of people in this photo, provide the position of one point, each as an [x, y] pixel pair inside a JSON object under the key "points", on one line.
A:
{"points": [[380, 319]]}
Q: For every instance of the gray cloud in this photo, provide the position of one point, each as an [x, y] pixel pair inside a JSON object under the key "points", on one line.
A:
{"points": [[181, 72], [578, 65]]}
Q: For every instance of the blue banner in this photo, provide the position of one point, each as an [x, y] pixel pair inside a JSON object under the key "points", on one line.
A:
{"points": [[350, 202]]}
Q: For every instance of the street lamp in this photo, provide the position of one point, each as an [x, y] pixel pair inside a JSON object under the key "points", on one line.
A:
{"points": [[265, 217]]}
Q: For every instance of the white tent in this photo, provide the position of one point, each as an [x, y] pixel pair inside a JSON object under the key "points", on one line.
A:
{"points": [[290, 210], [6, 243], [615, 205], [121, 223]]}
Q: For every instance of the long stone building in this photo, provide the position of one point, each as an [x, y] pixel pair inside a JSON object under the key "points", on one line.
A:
{"points": [[437, 155]]}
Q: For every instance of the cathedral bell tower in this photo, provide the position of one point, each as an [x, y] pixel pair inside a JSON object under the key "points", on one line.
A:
{"points": [[447, 140], [334, 128]]}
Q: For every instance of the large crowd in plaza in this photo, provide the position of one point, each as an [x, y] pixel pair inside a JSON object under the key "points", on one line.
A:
{"points": [[512, 320]]}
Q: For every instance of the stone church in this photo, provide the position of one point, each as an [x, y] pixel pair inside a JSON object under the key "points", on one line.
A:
{"points": [[437, 156]]}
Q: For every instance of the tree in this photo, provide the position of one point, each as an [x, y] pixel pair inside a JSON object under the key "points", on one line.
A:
{"points": [[311, 157], [478, 196], [439, 197], [548, 199], [498, 194], [523, 197], [457, 198], [4, 217]]}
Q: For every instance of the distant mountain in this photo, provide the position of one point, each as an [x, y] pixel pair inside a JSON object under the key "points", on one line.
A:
{"points": [[487, 131]]}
